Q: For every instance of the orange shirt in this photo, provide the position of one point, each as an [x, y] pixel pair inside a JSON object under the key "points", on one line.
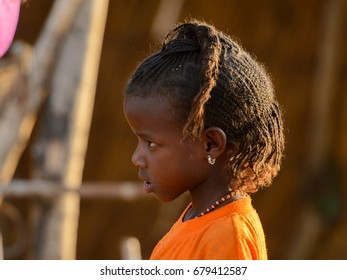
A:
{"points": [[231, 232]]}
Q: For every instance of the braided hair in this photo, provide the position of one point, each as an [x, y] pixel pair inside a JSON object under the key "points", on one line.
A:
{"points": [[212, 81]]}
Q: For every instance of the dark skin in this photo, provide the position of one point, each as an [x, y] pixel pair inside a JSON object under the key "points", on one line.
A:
{"points": [[169, 165]]}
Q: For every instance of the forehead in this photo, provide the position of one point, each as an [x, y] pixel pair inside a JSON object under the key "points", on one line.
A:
{"points": [[151, 115]]}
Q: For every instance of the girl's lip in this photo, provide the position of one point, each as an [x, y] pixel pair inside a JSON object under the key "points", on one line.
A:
{"points": [[148, 186]]}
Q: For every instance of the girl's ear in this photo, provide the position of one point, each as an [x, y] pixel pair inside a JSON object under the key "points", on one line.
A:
{"points": [[215, 141]]}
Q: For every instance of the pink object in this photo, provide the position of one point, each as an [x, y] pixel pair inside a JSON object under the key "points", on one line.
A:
{"points": [[9, 13]]}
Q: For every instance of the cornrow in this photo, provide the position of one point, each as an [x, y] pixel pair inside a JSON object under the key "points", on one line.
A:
{"points": [[212, 81]]}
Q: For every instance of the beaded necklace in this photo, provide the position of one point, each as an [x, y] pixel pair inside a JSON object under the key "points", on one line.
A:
{"points": [[215, 205]]}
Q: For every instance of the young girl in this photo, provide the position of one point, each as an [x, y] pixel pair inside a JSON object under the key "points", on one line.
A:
{"points": [[207, 122]]}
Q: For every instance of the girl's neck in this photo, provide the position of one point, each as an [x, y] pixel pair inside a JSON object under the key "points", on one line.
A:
{"points": [[200, 209], [204, 196]]}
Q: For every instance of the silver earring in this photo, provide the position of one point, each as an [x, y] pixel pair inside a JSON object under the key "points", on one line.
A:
{"points": [[211, 160]]}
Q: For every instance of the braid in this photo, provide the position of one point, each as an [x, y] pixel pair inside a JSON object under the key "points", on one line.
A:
{"points": [[207, 38], [212, 81]]}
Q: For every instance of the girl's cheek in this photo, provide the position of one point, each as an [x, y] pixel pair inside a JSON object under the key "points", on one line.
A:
{"points": [[9, 13]]}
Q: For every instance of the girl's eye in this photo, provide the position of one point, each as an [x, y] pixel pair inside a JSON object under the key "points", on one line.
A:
{"points": [[151, 144]]}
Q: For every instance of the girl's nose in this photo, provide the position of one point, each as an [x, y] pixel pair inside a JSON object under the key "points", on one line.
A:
{"points": [[138, 159]]}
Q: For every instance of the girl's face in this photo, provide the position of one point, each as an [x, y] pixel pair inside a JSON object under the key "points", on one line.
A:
{"points": [[167, 165]]}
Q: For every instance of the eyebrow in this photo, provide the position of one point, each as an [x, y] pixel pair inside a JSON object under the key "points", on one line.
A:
{"points": [[143, 135]]}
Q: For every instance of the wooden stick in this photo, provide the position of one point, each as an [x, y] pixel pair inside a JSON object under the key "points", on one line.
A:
{"points": [[66, 122], [47, 189]]}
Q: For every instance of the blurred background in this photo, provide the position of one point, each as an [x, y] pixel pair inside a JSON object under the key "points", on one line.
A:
{"points": [[301, 43]]}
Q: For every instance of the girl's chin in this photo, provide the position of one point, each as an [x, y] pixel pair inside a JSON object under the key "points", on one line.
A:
{"points": [[163, 198]]}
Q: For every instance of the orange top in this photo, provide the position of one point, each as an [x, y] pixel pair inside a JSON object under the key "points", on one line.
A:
{"points": [[231, 232]]}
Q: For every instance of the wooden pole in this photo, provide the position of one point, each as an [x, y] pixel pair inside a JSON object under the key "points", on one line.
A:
{"points": [[13, 108], [40, 189], [61, 146], [28, 85], [21, 101]]}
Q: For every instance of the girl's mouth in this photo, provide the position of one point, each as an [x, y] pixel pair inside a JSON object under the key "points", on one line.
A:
{"points": [[148, 187]]}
